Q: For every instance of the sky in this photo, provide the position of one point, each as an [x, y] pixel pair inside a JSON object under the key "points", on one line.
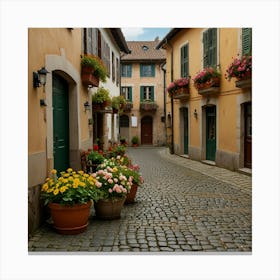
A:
{"points": [[144, 34]]}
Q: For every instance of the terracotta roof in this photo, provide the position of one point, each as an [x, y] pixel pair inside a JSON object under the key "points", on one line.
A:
{"points": [[119, 38], [172, 33], [144, 50]]}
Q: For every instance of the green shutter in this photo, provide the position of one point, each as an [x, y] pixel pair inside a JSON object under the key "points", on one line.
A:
{"points": [[246, 40], [153, 93], [205, 48], [182, 62], [130, 94], [153, 70], [141, 93], [141, 70], [129, 70], [214, 47]]}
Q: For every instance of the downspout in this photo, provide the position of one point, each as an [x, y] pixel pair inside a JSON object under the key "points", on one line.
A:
{"points": [[164, 98], [172, 101]]}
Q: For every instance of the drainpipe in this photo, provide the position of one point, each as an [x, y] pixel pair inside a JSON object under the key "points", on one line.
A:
{"points": [[164, 97], [172, 101]]}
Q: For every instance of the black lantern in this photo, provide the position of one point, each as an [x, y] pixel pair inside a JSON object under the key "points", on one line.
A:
{"points": [[40, 77]]}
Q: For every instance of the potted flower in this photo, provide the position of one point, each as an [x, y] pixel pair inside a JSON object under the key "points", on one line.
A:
{"points": [[179, 89], [101, 99], [137, 179], [207, 78], [93, 70], [112, 186], [241, 69], [93, 158], [118, 103], [69, 197], [135, 141], [116, 150]]}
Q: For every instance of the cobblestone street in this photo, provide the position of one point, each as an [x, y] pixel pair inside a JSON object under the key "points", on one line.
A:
{"points": [[183, 206]]}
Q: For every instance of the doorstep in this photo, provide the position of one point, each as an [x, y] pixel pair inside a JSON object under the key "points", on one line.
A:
{"points": [[246, 171], [184, 156], [209, 162]]}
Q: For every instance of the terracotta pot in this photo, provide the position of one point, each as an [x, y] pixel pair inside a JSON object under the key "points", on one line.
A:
{"points": [[70, 219], [130, 198], [109, 209], [88, 78]]}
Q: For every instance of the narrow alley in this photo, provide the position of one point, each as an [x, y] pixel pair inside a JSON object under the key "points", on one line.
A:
{"points": [[183, 206]]}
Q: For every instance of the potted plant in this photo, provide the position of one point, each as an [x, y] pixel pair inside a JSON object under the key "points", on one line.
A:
{"points": [[123, 141], [93, 158], [207, 78], [118, 103], [69, 197], [101, 99], [241, 69], [93, 70], [179, 89], [135, 141], [137, 179], [112, 187]]}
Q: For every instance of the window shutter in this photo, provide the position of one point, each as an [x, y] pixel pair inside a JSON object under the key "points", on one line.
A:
{"points": [[214, 47], [141, 70], [152, 94], [141, 93], [153, 70], [246, 40], [129, 70], [130, 94], [187, 61], [205, 48]]}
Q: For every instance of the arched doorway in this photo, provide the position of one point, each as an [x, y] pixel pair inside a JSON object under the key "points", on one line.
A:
{"points": [[60, 101], [147, 130]]}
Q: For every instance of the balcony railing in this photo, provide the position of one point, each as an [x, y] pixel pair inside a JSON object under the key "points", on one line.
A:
{"points": [[148, 105]]}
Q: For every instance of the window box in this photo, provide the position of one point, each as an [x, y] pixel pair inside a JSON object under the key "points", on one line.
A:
{"points": [[148, 105], [179, 89], [244, 83], [182, 93], [128, 106]]}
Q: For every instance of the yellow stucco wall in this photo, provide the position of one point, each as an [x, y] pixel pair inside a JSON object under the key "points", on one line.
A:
{"points": [[42, 42], [227, 116]]}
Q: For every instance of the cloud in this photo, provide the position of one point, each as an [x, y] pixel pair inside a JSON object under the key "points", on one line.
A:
{"points": [[132, 33]]}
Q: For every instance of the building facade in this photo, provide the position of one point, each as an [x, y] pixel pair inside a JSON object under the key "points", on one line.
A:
{"points": [[214, 125], [142, 84], [59, 122]]}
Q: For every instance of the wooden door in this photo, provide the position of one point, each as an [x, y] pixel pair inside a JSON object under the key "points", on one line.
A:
{"points": [[60, 124], [186, 130], [248, 135], [147, 130], [211, 133]]}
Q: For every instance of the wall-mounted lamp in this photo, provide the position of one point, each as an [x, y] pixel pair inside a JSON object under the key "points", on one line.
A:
{"points": [[87, 106], [195, 113], [169, 115], [43, 102], [40, 77]]}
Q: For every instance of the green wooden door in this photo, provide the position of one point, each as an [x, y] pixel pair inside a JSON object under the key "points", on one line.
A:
{"points": [[60, 124], [186, 130], [211, 133]]}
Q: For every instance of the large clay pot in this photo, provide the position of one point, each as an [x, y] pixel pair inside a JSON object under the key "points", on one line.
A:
{"points": [[130, 198], [109, 209], [70, 219], [88, 78]]}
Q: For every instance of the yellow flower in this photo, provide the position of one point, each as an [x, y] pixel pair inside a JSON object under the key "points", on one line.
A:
{"points": [[63, 189], [53, 171], [69, 170], [45, 187], [81, 172], [56, 191], [66, 175]]}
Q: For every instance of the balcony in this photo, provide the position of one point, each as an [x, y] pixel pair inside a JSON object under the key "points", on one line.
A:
{"points": [[128, 106], [148, 106]]}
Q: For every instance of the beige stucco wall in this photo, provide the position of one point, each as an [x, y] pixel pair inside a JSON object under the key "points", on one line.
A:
{"points": [[135, 82], [227, 104]]}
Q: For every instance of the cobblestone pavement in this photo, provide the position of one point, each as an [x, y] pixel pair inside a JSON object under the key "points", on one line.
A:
{"points": [[183, 206]]}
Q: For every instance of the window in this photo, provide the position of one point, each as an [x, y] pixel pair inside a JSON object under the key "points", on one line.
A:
{"points": [[147, 70], [246, 40], [90, 41], [127, 93], [210, 47], [124, 121], [145, 48], [146, 93], [185, 61], [126, 70]]}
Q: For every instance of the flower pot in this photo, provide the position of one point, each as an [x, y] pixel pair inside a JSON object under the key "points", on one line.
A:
{"points": [[70, 219], [109, 209], [88, 78], [244, 83], [130, 198]]}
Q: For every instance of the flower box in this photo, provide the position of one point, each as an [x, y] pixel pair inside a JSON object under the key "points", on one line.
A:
{"points": [[88, 79], [128, 106], [244, 83], [181, 93], [210, 87], [148, 106]]}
